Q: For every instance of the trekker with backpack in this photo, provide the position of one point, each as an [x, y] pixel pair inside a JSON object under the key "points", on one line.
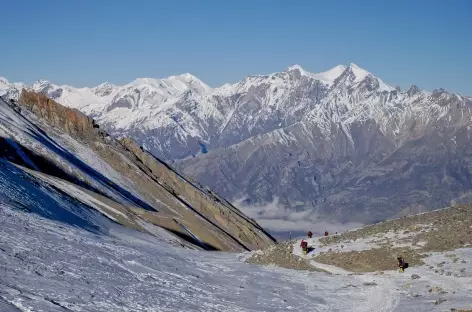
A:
{"points": [[402, 265], [304, 246]]}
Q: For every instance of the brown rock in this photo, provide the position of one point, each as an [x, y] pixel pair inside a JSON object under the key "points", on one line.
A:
{"points": [[69, 120]]}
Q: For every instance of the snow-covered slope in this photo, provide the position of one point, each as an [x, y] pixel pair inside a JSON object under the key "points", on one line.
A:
{"points": [[131, 271]]}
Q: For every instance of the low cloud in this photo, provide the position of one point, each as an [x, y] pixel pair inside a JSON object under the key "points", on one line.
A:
{"points": [[277, 219]]}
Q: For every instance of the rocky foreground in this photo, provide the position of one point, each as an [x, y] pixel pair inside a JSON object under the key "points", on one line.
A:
{"points": [[437, 247], [413, 237], [375, 247]]}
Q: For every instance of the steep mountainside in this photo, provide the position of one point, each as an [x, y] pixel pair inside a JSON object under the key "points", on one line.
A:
{"points": [[340, 144], [63, 153]]}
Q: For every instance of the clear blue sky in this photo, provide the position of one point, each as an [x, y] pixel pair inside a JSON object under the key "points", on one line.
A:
{"points": [[85, 42]]}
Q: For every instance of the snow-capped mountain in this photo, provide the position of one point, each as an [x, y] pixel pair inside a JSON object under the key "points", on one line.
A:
{"points": [[192, 114], [340, 143]]}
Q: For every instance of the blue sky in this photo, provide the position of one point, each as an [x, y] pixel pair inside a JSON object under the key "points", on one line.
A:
{"points": [[86, 42]]}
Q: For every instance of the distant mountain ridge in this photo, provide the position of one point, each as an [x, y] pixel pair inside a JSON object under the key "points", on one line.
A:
{"points": [[341, 144], [192, 112]]}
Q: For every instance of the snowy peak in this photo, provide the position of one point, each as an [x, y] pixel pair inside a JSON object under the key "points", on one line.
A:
{"points": [[172, 86], [413, 90], [328, 77], [10, 90], [295, 67], [191, 82], [103, 89], [359, 74], [4, 82], [51, 90], [354, 75], [42, 84]]}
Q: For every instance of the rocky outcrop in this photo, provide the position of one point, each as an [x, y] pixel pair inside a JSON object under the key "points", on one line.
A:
{"points": [[70, 120]]}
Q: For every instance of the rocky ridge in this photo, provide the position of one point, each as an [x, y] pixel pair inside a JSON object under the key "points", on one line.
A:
{"points": [[136, 184]]}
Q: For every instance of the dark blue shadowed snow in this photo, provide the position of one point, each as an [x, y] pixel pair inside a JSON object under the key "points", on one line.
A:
{"points": [[97, 176], [24, 192], [20, 153], [203, 148]]}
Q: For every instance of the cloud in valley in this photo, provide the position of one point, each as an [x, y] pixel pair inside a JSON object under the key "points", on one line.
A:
{"points": [[276, 219]]}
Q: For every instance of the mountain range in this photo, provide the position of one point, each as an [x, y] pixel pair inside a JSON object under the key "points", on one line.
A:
{"points": [[294, 147]]}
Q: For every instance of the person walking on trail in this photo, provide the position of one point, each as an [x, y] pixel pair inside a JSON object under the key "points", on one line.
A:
{"points": [[310, 234], [304, 246], [326, 233], [401, 264]]}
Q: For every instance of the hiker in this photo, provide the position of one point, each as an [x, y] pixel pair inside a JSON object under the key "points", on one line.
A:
{"points": [[402, 265], [310, 234], [326, 233], [304, 246]]}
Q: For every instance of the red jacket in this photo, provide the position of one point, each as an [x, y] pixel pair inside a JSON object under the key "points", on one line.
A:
{"points": [[303, 244]]}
